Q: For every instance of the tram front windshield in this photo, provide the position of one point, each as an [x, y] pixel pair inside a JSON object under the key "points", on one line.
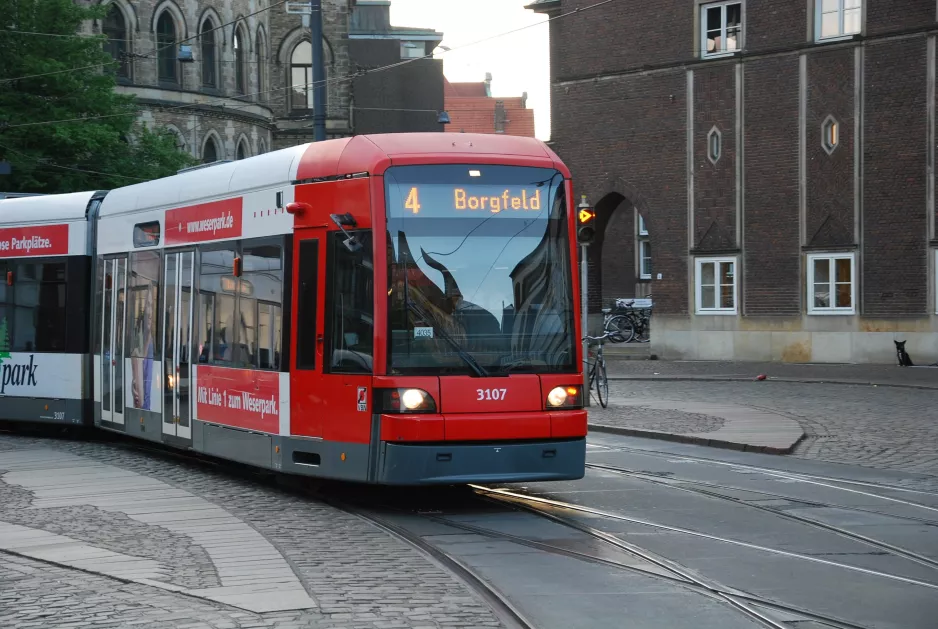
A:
{"points": [[479, 271]]}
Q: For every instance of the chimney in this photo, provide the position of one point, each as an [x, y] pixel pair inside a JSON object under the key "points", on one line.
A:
{"points": [[500, 117], [524, 100], [488, 83]]}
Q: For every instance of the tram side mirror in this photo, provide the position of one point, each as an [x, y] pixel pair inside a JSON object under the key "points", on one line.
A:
{"points": [[352, 244]]}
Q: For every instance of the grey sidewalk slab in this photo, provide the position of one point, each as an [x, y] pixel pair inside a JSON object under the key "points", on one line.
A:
{"points": [[219, 533], [743, 428]]}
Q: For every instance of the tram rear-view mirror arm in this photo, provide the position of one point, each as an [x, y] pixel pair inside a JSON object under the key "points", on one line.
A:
{"points": [[351, 242]]}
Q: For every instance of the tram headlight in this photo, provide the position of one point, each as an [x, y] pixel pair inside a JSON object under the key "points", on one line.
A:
{"points": [[413, 399], [406, 401], [563, 397]]}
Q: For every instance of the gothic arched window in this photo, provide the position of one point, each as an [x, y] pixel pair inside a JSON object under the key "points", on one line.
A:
{"points": [[260, 55], [208, 54], [301, 76], [166, 47], [115, 29], [239, 62], [209, 151]]}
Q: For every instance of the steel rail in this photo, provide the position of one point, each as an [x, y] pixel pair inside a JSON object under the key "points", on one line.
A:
{"points": [[762, 492], [742, 602], [673, 577], [617, 516], [793, 475], [895, 550]]}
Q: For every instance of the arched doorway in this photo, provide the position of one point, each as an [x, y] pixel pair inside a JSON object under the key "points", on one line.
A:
{"points": [[620, 257]]}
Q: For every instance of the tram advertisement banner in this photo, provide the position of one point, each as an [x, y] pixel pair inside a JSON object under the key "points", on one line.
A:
{"points": [[239, 397], [24, 374], [217, 220], [40, 240]]}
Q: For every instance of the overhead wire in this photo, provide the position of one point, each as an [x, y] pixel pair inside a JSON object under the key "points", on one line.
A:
{"points": [[340, 79]]}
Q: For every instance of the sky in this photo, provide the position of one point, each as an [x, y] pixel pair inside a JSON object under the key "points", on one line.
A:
{"points": [[519, 62]]}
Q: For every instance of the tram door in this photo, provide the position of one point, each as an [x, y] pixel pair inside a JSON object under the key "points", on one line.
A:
{"points": [[111, 352], [177, 344]]}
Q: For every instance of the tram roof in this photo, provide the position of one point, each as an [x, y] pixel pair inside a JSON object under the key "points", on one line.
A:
{"points": [[358, 154], [51, 208]]}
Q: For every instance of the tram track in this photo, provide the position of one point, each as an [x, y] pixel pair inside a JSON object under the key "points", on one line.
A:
{"points": [[745, 603], [756, 608], [527, 501], [799, 476], [895, 550], [805, 501], [670, 571]]}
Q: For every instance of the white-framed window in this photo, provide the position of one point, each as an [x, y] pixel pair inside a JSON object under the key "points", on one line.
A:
{"points": [[837, 18], [721, 28], [832, 283], [644, 259], [642, 228], [716, 283]]}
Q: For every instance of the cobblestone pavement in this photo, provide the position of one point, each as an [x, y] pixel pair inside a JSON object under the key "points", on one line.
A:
{"points": [[881, 427], [358, 575]]}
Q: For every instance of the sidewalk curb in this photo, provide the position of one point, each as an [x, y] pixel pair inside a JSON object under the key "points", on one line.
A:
{"points": [[925, 387], [703, 441]]}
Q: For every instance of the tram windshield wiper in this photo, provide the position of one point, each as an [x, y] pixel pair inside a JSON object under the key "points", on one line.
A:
{"points": [[478, 369]]}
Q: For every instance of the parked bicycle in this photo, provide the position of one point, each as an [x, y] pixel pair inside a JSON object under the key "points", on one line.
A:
{"points": [[597, 368], [626, 323]]}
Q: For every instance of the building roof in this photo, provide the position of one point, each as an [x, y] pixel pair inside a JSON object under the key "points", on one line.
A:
{"points": [[472, 109], [463, 90], [371, 19]]}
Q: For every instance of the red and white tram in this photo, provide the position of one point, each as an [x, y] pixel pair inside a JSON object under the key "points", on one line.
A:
{"points": [[395, 309], [45, 267]]}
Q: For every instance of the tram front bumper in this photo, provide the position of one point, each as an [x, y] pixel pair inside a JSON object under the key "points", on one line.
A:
{"points": [[459, 463]]}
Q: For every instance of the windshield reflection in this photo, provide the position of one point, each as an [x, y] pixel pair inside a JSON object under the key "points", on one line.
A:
{"points": [[479, 264]]}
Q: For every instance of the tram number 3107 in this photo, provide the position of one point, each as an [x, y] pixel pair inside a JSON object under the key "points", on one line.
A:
{"points": [[491, 394]]}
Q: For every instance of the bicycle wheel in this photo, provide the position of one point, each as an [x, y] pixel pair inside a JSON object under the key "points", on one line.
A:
{"points": [[643, 330], [622, 329], [602, 383]]}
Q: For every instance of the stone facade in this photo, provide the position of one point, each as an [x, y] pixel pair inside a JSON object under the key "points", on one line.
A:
{"points": [[797, 162], [238, 104]]}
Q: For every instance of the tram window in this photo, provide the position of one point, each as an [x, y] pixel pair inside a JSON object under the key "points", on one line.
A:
{"points": [[206, 320], [306, 305], [143, 327], [352, 306], [32, 310], [259, 298], [218, 290]]}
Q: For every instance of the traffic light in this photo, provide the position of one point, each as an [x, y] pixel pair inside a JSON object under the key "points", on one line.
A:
{"points": [[585, 230]]}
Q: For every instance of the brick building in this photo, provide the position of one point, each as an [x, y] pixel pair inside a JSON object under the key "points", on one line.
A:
{"points": [[244, 88], [473, 109], [765, 170]]}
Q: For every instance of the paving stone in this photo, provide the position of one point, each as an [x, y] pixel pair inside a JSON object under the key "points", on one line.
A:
{"points": [[874, 426], [332, 555]]}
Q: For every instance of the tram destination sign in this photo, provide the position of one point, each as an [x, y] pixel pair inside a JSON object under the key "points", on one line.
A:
{"points": [[440, 200], [38, 240]]}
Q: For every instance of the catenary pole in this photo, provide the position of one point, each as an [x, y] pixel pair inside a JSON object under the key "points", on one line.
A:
{"points": [[319, 71]]}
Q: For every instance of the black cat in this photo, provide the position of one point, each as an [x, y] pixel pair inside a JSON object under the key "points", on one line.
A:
{"points": [[902, 355]]}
